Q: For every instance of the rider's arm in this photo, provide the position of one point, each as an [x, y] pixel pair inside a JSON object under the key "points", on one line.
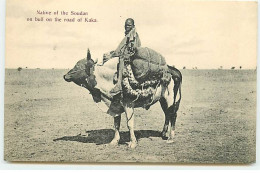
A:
{"points": [[131, 40]]}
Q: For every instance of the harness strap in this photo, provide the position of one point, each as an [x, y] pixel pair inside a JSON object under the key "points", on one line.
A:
{"points": [[91, 70]]}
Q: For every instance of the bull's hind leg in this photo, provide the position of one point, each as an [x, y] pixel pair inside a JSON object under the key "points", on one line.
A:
{"points": [[129, 111], [169, 98], [170, 108], [172, 112], [164, 106], [116, 139]]}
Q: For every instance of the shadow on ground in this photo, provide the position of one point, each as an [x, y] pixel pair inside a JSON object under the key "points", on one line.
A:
{"points": [[104, 136]]}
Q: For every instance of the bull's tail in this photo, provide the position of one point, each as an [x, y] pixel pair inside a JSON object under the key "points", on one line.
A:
{"points": [[177, 78]]}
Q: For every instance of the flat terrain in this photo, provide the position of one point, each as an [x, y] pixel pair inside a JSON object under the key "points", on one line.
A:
{"points": [[48, 119]]}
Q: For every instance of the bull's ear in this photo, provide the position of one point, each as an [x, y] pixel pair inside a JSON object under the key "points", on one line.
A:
{"points": [[88, 55]]}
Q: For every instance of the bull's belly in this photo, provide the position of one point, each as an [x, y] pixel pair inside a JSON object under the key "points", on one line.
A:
{"points": [[161, 92]]}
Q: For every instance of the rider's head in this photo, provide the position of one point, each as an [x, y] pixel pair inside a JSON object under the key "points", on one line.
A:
{"points": [[129, 25]]}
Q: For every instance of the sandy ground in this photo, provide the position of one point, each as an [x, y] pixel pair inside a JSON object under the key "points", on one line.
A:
{"points": [[48, 119]]}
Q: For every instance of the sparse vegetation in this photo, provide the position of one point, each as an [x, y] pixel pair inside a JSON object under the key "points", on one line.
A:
{"points": [[220, 68], [19, 69]]}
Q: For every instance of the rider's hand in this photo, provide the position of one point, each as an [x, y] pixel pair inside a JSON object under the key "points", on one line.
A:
{"points": [[106, 57]]}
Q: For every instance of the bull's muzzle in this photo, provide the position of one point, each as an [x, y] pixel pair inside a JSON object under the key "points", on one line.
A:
{"points": [[67, 78]]}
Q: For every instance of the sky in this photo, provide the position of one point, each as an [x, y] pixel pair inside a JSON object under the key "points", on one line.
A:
{"points": [[199, 34]]}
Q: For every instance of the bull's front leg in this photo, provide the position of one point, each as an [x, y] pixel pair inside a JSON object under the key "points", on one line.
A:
{"points": [[129, 111], [116, 139]]}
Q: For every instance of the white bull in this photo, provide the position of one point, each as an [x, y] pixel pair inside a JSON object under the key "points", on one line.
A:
{"points": [[99, 81]]}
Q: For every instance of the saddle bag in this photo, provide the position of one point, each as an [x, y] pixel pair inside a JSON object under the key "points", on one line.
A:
{"points": [[148, 64]]}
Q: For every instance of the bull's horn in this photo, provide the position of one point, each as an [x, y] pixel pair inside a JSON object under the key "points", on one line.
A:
{"points": [[88, 55]]}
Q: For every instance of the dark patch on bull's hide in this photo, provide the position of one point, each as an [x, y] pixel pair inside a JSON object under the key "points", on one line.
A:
{"points": [[96, 95], [92, 81], [116, 106]]}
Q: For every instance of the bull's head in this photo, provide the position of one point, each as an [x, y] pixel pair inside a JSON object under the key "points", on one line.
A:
{"points": [[82, 73]]}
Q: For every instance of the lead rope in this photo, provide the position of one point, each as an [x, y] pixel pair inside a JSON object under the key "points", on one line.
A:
{"points": [[100, 108]]}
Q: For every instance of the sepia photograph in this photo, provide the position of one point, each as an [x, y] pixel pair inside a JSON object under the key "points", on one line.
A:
{"points": [[122, 82]]}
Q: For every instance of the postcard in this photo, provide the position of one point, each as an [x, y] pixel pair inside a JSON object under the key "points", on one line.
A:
{"points": [[140, 81]]}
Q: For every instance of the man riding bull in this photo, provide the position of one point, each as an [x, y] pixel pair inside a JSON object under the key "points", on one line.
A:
{"points": [[124, 51]]}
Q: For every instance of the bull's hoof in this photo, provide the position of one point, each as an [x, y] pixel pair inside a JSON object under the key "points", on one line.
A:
{"points": [[169, 141], [113, 143], [163, 135], [132, 144]]}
